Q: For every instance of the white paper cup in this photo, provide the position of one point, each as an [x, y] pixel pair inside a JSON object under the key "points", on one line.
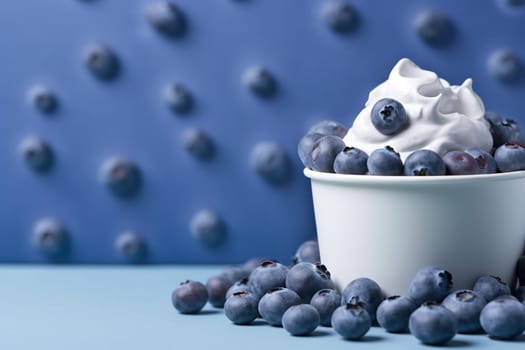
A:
{"points": [[388, 227]]}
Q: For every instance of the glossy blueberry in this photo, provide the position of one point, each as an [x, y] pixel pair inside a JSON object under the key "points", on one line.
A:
{"points": [[366, 291], [217, 287], [308, 251], [51, 238], [432, 283], [121, 176], [198, 143], [260, 81], [178, 98], [326, 301], [351, 321], [130, 246], [189, 297], [504, 130], [306, 279], [384, 161], [208, 227], [486, 162], [324, 152], [393, 313], [300, 319], [432, 324], [503, 318], [510, 157], [268, 275], [275, 302], [251, 264], [102, 61], [424, 162], [434, 28], [166, 18], [37, 153], [270, 161], [505, 66], [389, 116], [340, 16], [241, 285], [489, 287], [351, 160], [329, 127], [241, 307], [460, 163], [305, 146], [466, 305], [520, 270], [235, 273], [43, 98]]}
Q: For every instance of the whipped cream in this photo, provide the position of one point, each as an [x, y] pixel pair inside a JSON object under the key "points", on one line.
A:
{"points": [[442, 117]]}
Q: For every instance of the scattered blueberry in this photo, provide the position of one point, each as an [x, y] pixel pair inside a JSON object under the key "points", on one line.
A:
{"points": [[486, 162], [326, 301], [208, 227], [37, 153], [235, 273], [300, 319], [178, 98], [51, 238], [102, 61], [190, 297], [351, 321], [167, 18], [198, 143], [268, 275], [307, 252], [217, 287], [131, 246], [324, 152], [424, 163], [305, 146], [306, 279], [432, 324], [367, 291], [510, 157], [389, 116], [251, 264], [275, 302], [466, 305], [241, 285], [431, 283], [329, 127], [393, 313], [505, 65], [43, 98], [385, 161], [241, 307], [121, 176], [503, 318], [489, 287], [260, 81], [435, 28], [351, 160], [460, 163], [340, 16], [503, 130], [270, 161]]}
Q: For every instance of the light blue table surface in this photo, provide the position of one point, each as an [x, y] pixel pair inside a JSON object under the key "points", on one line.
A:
{"points": [[100, 307]]}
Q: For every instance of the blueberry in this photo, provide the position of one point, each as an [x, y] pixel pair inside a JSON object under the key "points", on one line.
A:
{"points": [[131, 246], [384, 161], [351, 321], [166, 18], [51, 238], [121, 176], [300, 319], [486, 162], [324, 152], [37, 153], [489, 287], [367, 291], [393, 313], [503, 130], [460, 163], [435, 28], [275, 302], [102, 61], [235, 273], [178, 98], [424, 162], [208, 227], [270, 161], [305, 146], [241, 307], [431, 283], [466, 305], [351, 160], [43, 98], [306, 278], [217, 287], [510, 157], [241, 285], [251, 264], [307, 252], [329, 127], [506, 296], [340, 16], [389, 116], [269, 274], [190, 297], [198, 143], [505, 65], [326, 301], [260, 81], [503, 318], [432, 324], [520, 269]]}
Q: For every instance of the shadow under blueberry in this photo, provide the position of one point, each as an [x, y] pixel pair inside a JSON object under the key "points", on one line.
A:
{"points": [[205, 313]]}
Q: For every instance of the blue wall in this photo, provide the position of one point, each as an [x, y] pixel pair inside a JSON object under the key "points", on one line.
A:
{"points": [[320, 74]]}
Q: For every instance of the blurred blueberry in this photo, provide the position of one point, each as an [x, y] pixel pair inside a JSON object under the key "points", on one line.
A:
{"points": [[37, 153], [51, 238], [324, 152], [178, 98], [432, 324], [189, 297], [424, 162], [305, 146], [510, 157], [435, 28], [393, 313], [268, 275], [432, 283], [260, 81], [389, 116], [275, 302], [366, 291], [385, 161], [351, 160], [43, 98], [308, 251], [198, 143], [489, 287], [466, 305], [121, 176], [351, 321], [486, 162], [102, 61], [166, 18], [460, 163], [340, 16], [505, 65], [251, 264], [131, 246], [208, 227], [300, 319], [270, 161], [503, 318], [235, 273], [328, 127], [326, 301], [306, 279], [217, 287], [241, 307]]}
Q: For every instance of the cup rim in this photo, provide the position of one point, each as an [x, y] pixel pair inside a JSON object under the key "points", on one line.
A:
{"points": [[409, 180]]}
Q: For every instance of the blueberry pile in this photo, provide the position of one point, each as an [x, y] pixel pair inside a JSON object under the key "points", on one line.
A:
{"points": [[323, 149], [302, 297]]}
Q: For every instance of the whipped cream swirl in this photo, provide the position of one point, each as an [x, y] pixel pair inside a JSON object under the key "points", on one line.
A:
{"points": [[442, 117]]}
